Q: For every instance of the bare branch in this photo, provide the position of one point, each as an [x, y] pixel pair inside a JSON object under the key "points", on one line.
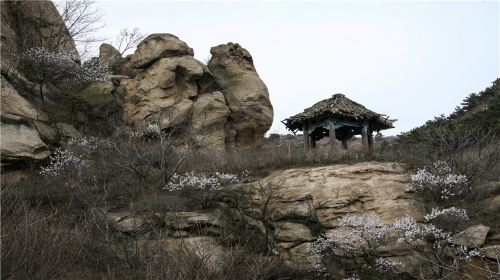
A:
{"points": [[128, 39]]}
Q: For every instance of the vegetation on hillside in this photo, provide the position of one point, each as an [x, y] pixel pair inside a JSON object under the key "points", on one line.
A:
{"points": [[59, 217]]}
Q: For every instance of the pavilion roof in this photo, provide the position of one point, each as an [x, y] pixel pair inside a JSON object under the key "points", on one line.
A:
{"points": [[340, 108]]}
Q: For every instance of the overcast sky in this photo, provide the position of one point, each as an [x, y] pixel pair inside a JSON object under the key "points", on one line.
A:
{"points": [[409, 60]]}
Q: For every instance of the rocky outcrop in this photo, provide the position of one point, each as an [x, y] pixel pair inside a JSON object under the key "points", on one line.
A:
{"points": [[26, 129], [157, 46], [168, 87], [308, 202], [108, 55], [472, 237], [161, 83], [27, 24], [246, 94], [313, 199], [20, 137]]}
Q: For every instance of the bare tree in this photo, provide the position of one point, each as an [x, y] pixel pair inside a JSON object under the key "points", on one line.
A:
{"points": [[128, 39], [83, 20]]}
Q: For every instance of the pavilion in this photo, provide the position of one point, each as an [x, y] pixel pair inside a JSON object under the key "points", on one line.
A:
{"points": [[339, 118]]}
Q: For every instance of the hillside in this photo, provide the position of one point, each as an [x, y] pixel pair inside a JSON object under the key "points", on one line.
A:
{"points": [[156, 168]]}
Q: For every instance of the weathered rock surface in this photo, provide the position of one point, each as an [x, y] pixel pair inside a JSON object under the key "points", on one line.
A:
{"points": [[20, 142], [170, 88], [246, 95], [339, 189], [156, 46], [26, 129], [311, 201], [188, 221], [287, 231], [491, 252], [109, 55], [161, 83], [40, 21], [319, 196], [20, 137], [16, 108], [472, 237]]}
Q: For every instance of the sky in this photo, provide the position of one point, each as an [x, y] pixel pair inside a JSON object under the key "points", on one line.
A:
{"points": [[409, 60]]}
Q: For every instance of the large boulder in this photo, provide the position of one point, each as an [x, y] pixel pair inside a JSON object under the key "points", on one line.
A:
{"points": [[21, 142], [163, 92], [472, 237], [156, 46], [306, 203], [335, 190], [109, 55], [179, 93], [310, 201], [15, 107], [288, 231], [20, 137], [246, 94], [209, 119]]}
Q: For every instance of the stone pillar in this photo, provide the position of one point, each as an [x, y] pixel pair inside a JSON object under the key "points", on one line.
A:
{"points": [[332, 138], [306, 139], [344, 143], [364, 137]]}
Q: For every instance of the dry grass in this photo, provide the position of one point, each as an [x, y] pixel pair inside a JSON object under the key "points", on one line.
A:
{"points": [[49, 232]]}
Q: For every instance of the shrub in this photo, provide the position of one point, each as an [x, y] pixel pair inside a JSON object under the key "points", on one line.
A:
{"points": [[59, 68], [360, 238], [439, 184], [37, 243], [205, 189]]}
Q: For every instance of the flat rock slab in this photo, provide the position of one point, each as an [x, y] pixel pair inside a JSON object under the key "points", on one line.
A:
{"points": [[472, 237]]}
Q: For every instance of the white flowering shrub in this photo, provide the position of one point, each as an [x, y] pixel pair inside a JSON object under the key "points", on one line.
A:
{"points": [[388, 266], [92, 71], [446, 259], [73, 158], [447, 212], [353, 277], [204, 188], [360, 237], [409, 231], [61, 68], [45, 66], [439, 183], [61, 160], [45, 59], [357, 238]]}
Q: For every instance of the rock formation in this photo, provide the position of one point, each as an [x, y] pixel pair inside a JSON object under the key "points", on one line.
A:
{"points": [[27, 24], [315, 198], [246, 94], [26, 130], [161, 83], [311, 202], [203, 107]]}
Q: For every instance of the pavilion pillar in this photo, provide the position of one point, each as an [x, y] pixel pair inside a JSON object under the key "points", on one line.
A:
{"points": [[312, 141], [331, 133], [364, 137], [344, 143], [370, 143], [306, 139]]}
